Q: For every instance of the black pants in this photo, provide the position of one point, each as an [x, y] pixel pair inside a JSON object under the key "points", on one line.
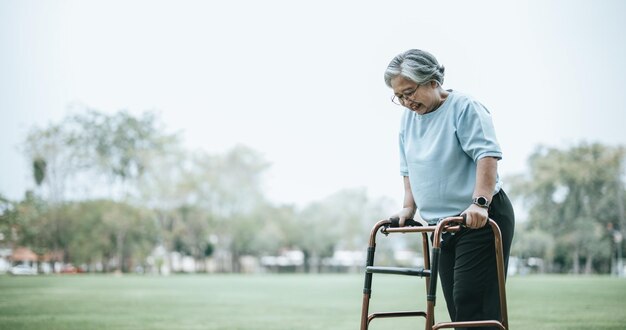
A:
{"points": [[467, 266]]}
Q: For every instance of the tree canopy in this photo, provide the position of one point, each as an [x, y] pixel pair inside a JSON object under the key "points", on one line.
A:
{"points": [[572, 195]]}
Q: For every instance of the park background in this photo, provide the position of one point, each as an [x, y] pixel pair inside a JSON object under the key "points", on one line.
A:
{"points": [[159, 137]]}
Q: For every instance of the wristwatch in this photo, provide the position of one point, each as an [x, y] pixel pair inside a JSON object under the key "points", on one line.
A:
{"points": [[481, 201]]}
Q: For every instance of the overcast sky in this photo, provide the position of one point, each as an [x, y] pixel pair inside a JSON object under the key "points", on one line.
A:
{"points": [[302, 81]]}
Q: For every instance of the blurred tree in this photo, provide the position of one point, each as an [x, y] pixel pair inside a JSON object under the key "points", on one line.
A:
{"points": [[7, 220], [231, 191], [120, 147], [39, 170], [342, 220], [132, 232], [71, 156], [90, 241], [535, 243], [167, 188], [32, 226], [53, 159], [33, 223], [274, 228], [198, 195], [572, 195], [193, 237], [228, 184]]}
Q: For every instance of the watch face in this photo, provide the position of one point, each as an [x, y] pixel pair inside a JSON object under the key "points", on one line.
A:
{"points": [[481, 201]]}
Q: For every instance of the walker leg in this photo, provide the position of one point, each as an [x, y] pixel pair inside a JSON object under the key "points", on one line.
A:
{"points": [[367, 288]]}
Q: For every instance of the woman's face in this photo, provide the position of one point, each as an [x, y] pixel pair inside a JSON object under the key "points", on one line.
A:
{"points": [[421, 99]]}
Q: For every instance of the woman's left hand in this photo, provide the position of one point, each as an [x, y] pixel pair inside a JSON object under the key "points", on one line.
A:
{"points": [[476, 216]]}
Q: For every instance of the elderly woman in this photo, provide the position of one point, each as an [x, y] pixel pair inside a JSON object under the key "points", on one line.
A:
{"points": [[448, 160]]}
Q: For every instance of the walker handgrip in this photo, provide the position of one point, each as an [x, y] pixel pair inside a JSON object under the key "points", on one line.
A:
{"points": [[395, 223], [464, 222], [454, 223]]}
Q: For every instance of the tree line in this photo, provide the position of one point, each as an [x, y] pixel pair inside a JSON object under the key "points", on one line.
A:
{"points": [[109, 188]]}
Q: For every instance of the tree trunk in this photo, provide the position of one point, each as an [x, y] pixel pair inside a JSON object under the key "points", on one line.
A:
{"points": [[129, 264], [120, 250], [576, 261], [105, 263], [589, 265], [236, 266], [201, 266], [314, 263], [307, 257]]}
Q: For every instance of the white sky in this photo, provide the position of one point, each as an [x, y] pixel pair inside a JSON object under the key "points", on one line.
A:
{"points": [[301, 81]]}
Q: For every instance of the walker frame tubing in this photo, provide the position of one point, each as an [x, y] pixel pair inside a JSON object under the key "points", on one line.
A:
{"points": [[451, 224]]}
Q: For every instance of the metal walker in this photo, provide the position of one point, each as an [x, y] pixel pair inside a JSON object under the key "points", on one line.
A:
{"points": [[429, 272]]}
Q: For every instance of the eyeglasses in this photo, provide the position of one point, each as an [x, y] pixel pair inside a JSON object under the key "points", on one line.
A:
{"points": [[402, 99]]}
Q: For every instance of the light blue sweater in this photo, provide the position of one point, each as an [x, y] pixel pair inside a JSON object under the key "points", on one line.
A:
{"points": [[439, 151]]}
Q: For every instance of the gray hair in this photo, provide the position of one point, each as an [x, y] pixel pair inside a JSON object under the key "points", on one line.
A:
{"points": [[416, 65]]}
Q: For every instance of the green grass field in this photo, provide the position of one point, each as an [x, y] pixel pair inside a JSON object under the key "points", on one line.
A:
{"points": [[284, 302]]}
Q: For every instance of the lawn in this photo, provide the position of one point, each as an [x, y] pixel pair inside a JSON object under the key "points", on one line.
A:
{"points": [[284, 302]]}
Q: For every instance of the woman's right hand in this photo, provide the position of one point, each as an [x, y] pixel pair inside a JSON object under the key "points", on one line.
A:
{"points": [[405, 213]]}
